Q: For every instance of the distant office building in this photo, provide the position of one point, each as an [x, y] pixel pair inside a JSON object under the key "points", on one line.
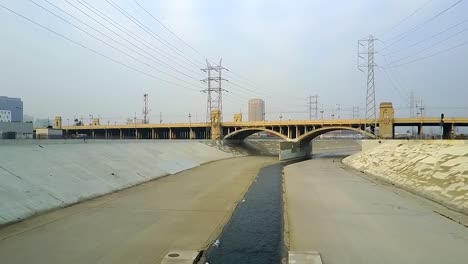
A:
{"points": [[15, 105], [5, 116], [28, 119], [256, 110]]}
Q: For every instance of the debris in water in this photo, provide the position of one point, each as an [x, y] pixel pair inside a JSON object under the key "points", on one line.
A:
{"points": [[216, 243]]}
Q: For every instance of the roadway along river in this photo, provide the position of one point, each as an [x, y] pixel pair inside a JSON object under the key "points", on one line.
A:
{"points": [[185, 211], [350, 219]]}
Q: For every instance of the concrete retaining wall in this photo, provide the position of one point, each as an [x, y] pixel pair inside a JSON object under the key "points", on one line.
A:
{"points": [[437, 170], [36, 176]]}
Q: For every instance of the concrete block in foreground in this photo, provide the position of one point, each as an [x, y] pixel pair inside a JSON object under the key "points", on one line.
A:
{"points": [[181, 257], [304, 257]]}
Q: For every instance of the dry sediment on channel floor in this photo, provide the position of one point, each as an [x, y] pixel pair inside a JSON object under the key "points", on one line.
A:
{"points": [[437, 170]]}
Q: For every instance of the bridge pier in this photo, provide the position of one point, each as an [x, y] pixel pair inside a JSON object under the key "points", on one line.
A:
{"points": [[294, 150]]}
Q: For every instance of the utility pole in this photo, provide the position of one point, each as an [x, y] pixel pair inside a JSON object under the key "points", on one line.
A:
{"points": [[338, 110], [371, 109], [145, 109], [160, 117], [412, 106], [214, 92], [355, 112], [313, 106], [321, 112]]}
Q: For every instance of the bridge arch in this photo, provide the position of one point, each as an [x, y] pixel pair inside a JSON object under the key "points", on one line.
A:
{"points": [[307, 137], [243, 133]]}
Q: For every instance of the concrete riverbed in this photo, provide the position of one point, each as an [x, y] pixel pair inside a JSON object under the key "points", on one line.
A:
{"points": [[185, 211], [333, 210]]}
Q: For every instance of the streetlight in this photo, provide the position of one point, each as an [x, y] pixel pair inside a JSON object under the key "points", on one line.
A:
{"points": [[321, 114], [280, 117], [190, 125], [421, 109], [333, 116]]}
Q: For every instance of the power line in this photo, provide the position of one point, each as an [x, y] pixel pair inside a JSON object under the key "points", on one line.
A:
{"points": [[401, 36], [192, 48], [170, 31], [426, 39], [149, 31], [153, 58], [435, 44], [92, 50], [394, 86], [430, 56], [135, 37], [102, 41], [406, 18]]}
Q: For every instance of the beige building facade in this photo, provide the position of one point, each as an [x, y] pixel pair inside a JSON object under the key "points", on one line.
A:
{"points": [[256, 110]]}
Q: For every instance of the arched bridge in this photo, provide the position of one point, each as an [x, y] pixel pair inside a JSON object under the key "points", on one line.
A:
{"points": [[301, 135]]}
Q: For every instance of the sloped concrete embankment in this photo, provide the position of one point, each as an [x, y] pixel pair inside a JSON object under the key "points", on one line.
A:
{"points": [[437, 170], [37, 176]]}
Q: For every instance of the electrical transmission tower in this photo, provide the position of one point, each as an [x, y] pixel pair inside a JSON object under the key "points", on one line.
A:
{"points": [[366, 60], [313, 107], [146, 110], [214, 91]]}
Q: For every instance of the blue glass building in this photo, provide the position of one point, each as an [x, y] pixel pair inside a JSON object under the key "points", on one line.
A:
{"points": [[15, 105]]}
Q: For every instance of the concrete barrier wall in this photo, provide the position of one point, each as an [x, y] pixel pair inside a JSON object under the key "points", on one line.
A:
{"points": [[36, 176], [436, 169]]}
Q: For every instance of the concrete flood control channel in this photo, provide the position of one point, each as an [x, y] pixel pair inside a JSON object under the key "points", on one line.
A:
{"points": [[255, 232]]}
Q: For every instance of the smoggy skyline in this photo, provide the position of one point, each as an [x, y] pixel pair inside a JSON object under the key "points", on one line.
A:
{"points": [[280, 51]]}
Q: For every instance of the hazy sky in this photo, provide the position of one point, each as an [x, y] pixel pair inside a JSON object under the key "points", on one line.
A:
{"points": [[287, 50]]}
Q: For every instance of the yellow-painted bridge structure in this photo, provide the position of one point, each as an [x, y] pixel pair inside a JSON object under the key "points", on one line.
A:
{"points": [[297, 131]]}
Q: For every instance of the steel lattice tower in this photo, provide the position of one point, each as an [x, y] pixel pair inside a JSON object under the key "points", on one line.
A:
{"points": [[371, 108], [214, 92], [313, 107]]}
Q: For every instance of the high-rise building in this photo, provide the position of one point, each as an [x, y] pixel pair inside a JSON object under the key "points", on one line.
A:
{"points": [[256, 110], [14, 105]]}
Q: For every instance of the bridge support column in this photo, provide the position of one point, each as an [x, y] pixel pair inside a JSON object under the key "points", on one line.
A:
{"points": [[448, 131], [216, 129], [298, 132], [193, 135], [292, 150], [386, 117]]}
